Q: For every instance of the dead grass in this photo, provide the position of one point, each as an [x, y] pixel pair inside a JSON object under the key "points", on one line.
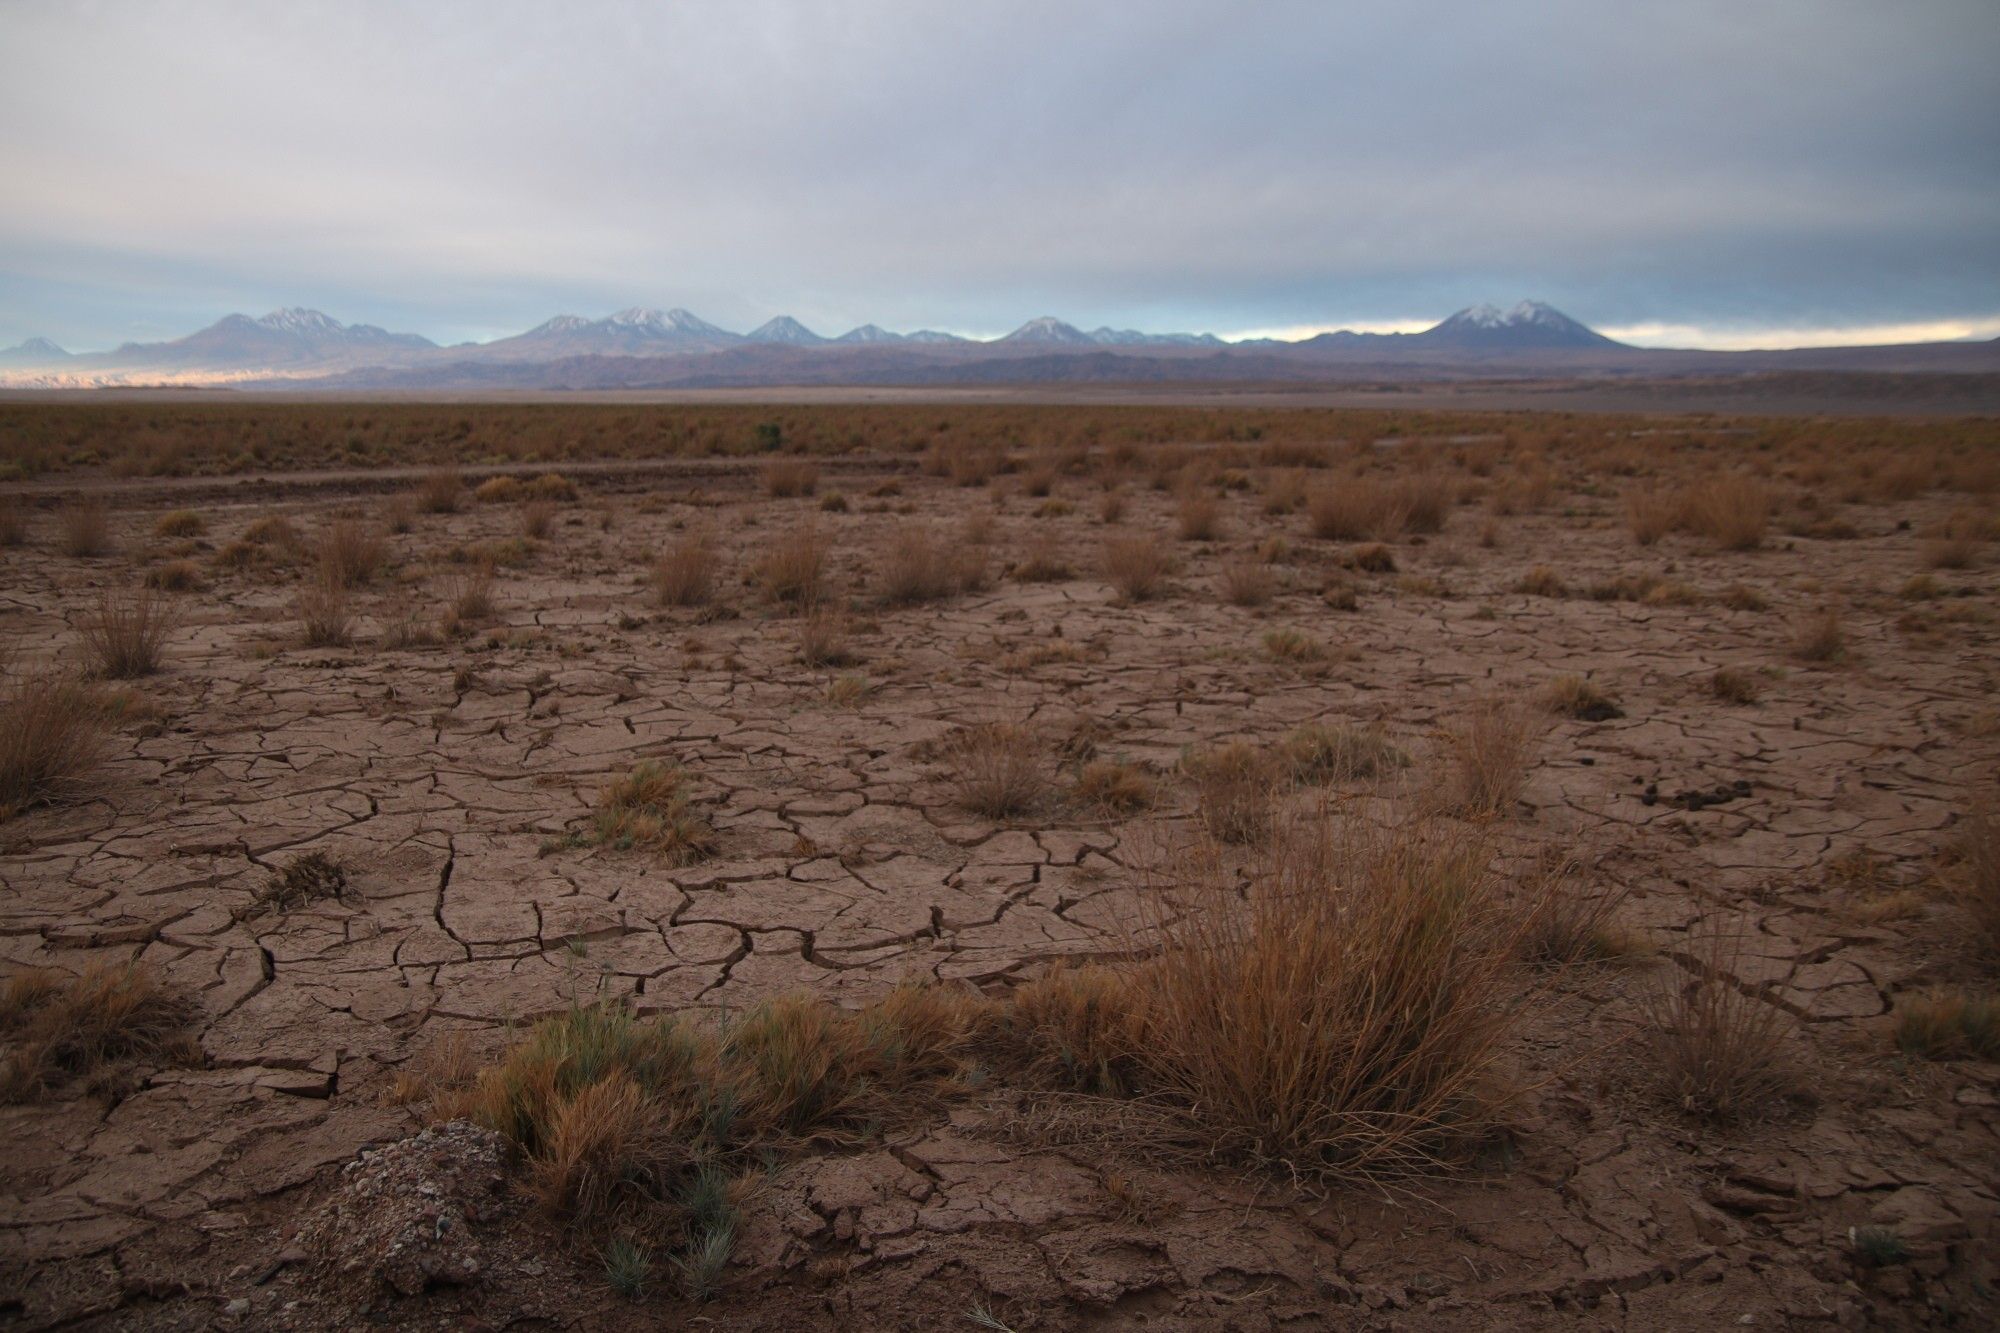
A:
{"points": [[1719, 1053], [1490, 751], [537, 517], [125, 636], [180, 523], [1199, 516], [1236, 785], [684, 575], [1731, 511], [52, 739], [1323, 752], [174, 576], [1979, 870], [1137, 566], [83, 528], [1820, 638], [468, 599], [1248, 583], [1541, 581], [305, 879], [998, 769], [350, 552], [1574, 696], [824, 638], [1651, 514], [1353, 510], [793, 571], [785, 478], [923, 565], [440, 490], [1111, 787], [1941, 1024], [1572, 923], [13, 523], [652, 808], [325, 617], [58, 1027], [1735, 685]]}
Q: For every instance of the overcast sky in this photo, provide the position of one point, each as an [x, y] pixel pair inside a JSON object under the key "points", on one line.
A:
{"points": [[1742, 172]]}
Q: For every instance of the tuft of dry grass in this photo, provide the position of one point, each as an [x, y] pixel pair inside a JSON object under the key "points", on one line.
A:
{"points": [[537, 517], [1490, 750], [1199, 515], [1248, 583], [468, 599], [1735, 685], [83, 1026], [1541, 581], [52, 739], [1322, 752], [1137, 566], [998, 769], [1574, 696], [1731, 511], [1941, 1024], [1111, 787], [793, 571], [83, 528], [785, 478], [922, 565], [1651, 514], [13, 523], [1353, 510], [306, 879], [126, 636], [439, 491], [1979, 870], [651, 807], [1820, 638], [1719, 1053], [823, 638], [1236, 786], [180, 523], [325, 618], [684, 575], [174, 576], [350, 552], [1570, 924]]}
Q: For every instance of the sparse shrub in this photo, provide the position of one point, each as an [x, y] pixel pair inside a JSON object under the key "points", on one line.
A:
{"points": [[1878, 1247], [1541, 581], [273, 530], [325, 620], [180, 523], [468, 599], [1948, 1025], [1731, 511], [52, 739], [1718, 1052], [498, 490], [1574, 696], [1111, 506], [1247, 583], [1569, 924], [83, 1026], [1137, 566], [628, 1267], [1739, 597], [306, 879], [1652, 514], [1735, 685], [84, 527], [684, 575], [1374, 558], [1490, 749], [651, 807], [438, 491], [1422, 502], [785, 478], [1921, 588], [1286, 644], [848, 691], [1236, 786], [1199, 516], [793, 572], [537, 516], [1353, 510], [922, 566], [1340, 594], [998, 769], [126, 636], [1339, 752], [350, 552], [1113, 788], [174, 576], [1042, 567], [1820, 638], [823, 638], [552, 486], [833, 502]]}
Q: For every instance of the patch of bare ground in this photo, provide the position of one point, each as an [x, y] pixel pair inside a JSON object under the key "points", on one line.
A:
{"points": [[1354, 869]]}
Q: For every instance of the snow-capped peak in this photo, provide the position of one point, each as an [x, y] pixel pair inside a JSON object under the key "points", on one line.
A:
{"points": [[297, 319]]}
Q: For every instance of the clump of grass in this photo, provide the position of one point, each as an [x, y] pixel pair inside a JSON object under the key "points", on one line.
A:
{"points": [[1731, 511], [84, 528], [1948, 1025], [1374, 558], [1490, 749], [126, 636], [304, 880], [923, 566], [1353, 510], [848, 691], [684, 575], [325, 617], [1248, 583], [1041, 567], [823, 638], [651, 807], [998, 769], [180, 523], [438, 491], [1199, 516], [1285, 644], [537, 517], [793, 571], [174, 576], [13, 523], [1137, 566], [628, 1267], [1112, 787], [1323, 752], [1574, 696], [1652, 514], [1735, 685], [1571, 924], [350, 552], [785, 478], [468, 599], [52, 739], [1820, 638], [1719, 1053], [60, 1026], [1878, 1247], [502, 489], [1979, 870], [1236, 786], [1541, 581]]}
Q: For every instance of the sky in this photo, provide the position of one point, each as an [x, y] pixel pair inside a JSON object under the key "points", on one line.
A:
{"points": [[1721, 173]]}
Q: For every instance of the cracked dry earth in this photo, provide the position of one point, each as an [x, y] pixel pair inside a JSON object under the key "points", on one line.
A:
{"points": [[440, 777]]}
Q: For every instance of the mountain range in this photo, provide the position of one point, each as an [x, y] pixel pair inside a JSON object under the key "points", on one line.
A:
{"points": [[647, 348]]}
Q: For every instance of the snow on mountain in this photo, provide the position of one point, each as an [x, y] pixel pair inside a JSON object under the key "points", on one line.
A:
{"points": [[33, 352], [1048, 331], [1110, 337], [1528, 324], [869, 333]]}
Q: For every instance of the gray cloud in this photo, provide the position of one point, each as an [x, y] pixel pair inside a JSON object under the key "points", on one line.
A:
{"points": [[466, 169]]}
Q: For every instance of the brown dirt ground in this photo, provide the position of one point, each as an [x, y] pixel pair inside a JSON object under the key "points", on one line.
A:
{"points": [[438, 774]]}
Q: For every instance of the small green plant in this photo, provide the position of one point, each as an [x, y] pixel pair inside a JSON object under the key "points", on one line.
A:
{"points": [[650, 807], [304, 880], [628, 1267], [1878, 1247]]}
